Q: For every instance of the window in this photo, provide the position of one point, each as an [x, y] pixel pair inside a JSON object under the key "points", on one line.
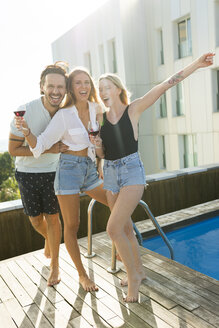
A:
{"points": [[217, 94], [160, 48], [215, 90], [184, 38], [162, 106], [161, 149], [87, 61], [216, 22], [177, 100], [188, 156], [112, 56], [101, 59]]}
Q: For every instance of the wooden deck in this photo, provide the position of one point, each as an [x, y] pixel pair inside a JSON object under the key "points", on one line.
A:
{"points": [[172, 296]]}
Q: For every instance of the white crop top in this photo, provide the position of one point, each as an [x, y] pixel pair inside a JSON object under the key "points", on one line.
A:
{"points": [[67, 127]]}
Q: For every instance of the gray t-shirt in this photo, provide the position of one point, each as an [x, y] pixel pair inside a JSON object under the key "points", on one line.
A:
{"points": [[37, 118]]}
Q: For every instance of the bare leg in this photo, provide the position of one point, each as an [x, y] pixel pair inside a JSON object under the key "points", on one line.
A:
{"points": [[121, 210], [133, 240], [54, 238], [40, 225], [135, 249], [99, 194], [70, 207]]}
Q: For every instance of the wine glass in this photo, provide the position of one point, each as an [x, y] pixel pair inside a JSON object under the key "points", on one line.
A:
{"points": [[21, 112], [93, 129]]}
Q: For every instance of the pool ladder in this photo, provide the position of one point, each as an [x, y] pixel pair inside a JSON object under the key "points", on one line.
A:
{"points": [[146, 208]]}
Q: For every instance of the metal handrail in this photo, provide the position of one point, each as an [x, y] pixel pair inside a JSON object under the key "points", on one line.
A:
{"points": [[157, 226], [113, 268]]}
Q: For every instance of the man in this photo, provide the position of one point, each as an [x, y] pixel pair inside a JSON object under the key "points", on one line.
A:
{"points": [[35, 177]]}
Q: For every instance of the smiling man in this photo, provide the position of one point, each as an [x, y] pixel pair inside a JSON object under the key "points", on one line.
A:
{"points": [[35, 176]]}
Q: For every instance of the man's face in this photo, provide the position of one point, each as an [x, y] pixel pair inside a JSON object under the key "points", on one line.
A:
{"points": [[54, 89]]}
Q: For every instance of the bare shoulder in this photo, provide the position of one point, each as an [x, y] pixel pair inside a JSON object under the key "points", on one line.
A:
{"points": [[133, 108]]}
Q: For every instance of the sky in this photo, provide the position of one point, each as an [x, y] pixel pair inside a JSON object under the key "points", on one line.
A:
{"points": [[27, 30]]}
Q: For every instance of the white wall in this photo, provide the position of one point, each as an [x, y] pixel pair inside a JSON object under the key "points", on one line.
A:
{"points": [[134, 25]]}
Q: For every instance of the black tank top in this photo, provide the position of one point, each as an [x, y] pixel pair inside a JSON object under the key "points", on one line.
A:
{"points": [[118, 139]]}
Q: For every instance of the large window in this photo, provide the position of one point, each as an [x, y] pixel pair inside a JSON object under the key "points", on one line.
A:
{"points": [[177, 100], [184, 38], [112, 56], [216, 22], [162, 154], [87, 61], [160, 48], [217, 94], [101, 59], [215, 90], [162, 106], [188, 156]]}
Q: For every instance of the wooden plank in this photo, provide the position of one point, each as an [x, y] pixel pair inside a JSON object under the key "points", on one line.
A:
{"points": [[39, 298], [5, 292], [38, 280], [188, 285], [17, 314], [146, 291], [37, 317], [67, 310], [208, 316], [102, 282], [118, 294], [6, 320], [81, 301], [134, 314], [80, 322], [191, 318], [172, 319], [16, 288]]}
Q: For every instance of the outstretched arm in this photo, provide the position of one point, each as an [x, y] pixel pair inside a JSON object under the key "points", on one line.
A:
{"points": [[141, 104]]}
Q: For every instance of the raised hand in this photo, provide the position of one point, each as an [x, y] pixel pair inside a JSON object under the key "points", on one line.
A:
{"points": [[206, 59]]}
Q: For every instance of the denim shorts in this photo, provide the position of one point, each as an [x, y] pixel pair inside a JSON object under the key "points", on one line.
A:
{"points": [[126, 171], [75, 174]]}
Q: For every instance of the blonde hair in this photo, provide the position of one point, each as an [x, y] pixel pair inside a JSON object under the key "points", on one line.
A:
{"points": [[115, 79], [71, 100]]}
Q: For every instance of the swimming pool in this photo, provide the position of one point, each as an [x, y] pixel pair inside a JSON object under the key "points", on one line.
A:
{"points": [[196, 246]]}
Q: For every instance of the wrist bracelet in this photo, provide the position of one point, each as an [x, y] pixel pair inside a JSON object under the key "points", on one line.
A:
{"points": [[26, 135], [97, 147]]}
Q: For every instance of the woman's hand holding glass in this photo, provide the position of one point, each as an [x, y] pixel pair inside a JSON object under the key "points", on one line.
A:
{"points": [[93, 131]]}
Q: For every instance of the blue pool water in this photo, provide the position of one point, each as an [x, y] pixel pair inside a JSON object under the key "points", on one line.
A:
{"points": [[196, 246]]}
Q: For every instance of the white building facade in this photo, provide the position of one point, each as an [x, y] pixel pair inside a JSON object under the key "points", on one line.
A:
{"points": [[146, 41]]}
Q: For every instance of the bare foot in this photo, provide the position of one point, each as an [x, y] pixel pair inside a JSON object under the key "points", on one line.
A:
{"points": [[133, 288], [87, 284], [124, 281], [46, 249], [54, 277]]}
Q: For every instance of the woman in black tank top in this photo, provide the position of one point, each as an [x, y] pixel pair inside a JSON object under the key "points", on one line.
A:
{"points": [[123, 171]]}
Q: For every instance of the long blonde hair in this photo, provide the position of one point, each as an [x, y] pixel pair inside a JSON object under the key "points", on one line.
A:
{"points": [[71, 100], [115, 79]]}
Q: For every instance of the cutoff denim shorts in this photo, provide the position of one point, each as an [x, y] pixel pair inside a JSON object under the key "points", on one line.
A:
{"points": [[75, 174], [126, 171]]}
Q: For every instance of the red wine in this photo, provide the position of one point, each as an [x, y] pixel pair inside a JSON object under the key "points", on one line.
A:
{"points": [[19, 113], [93, 133]]}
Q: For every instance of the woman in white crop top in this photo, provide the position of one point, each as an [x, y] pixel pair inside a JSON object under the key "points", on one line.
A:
{"points": [[76, 171]]}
